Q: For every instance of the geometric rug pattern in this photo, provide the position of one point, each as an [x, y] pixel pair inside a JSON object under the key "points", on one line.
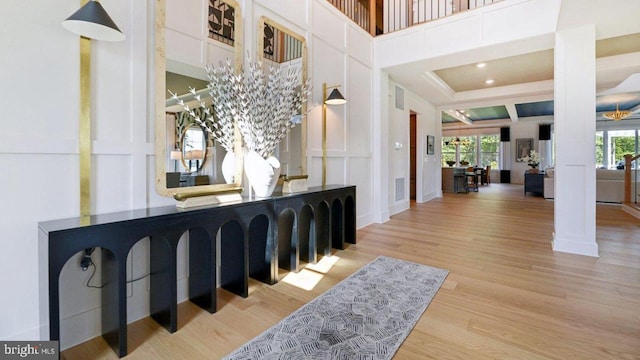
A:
{"points": [[366, 316]]}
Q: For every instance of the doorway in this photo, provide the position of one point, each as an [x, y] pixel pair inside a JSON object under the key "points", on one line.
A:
{"points": [[412, 155]]}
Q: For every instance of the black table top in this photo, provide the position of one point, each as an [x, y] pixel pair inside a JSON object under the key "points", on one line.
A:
{"points": [[128, 215]]}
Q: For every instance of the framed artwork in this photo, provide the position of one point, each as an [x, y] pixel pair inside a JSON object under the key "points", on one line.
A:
{"points": [[523, 147], [431, 144]]}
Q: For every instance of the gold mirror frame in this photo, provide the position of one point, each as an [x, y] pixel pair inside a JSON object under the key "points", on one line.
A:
{"points": [[303, 133], [160, 105]]}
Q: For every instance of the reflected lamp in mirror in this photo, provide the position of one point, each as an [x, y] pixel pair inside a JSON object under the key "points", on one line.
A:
{"points": [[175, 156], [197, 155], [93, 22]]}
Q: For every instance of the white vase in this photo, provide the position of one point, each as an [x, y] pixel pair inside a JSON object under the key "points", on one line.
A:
{"points": [[229, 167], [262, 173]]}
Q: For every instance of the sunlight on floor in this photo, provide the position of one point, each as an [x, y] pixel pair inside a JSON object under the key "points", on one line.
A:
{"points": [[310, 276], [324, 265]]}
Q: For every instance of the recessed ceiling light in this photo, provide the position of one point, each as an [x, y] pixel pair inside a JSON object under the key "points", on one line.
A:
{"points": [[489, 82], [481, 65]]}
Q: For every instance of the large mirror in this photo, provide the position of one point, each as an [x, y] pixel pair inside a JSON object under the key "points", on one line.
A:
{"points": [[188, 159], [281, 47]]}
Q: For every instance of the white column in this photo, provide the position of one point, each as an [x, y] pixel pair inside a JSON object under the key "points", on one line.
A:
{"points": [[380, 143], [575, 97]]}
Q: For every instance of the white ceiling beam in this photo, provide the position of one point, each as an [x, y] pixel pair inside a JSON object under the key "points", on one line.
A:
{"points": [[459, 116], [513, 113]]}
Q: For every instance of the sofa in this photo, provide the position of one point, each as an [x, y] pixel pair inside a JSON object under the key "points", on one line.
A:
{"points": [[609, 185]]}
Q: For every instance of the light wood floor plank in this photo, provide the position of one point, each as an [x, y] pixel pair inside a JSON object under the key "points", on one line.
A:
{"points": [[508, 295]]}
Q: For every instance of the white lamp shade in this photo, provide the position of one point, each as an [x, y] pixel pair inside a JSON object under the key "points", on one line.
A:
{"points": [[93, 22], [197, 154], [176, 155]]}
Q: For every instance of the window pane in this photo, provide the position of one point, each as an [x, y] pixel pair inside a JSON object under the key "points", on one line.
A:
{"points": [[490, 145], [599, 149], [468, 149], [448, 150]]}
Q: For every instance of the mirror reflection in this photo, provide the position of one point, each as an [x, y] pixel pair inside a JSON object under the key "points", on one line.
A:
{"points": [[284, 48], [188, 159], [197, 157], [194, 148]]}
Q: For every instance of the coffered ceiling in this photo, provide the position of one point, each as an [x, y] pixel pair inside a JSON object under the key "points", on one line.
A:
{"points": [[499, 90]]}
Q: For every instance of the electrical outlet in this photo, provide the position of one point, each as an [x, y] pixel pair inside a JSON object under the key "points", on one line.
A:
{"points": [[86, 260]]}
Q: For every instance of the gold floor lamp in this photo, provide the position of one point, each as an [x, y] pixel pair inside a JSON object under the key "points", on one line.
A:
{"points": [[91, 21], [335, 98]]}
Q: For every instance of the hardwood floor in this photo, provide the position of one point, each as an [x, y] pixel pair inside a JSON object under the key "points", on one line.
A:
{"points": [[508, 295]]}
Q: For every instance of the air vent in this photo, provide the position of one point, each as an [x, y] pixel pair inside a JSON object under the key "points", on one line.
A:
{"points": [[399, 98], [399, 189]]}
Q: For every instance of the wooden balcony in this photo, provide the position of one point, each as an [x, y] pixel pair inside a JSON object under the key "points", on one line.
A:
{"points": [[384, 16]]}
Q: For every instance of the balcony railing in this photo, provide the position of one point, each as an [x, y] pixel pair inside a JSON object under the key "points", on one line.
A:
{"points": [[400, 14], [356, 10]]}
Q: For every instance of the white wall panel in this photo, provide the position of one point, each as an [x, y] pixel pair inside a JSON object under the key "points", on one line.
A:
{"points": [[39, 74], [450, 38], [218, 52], [51, 192], [329, 67], [336, 170], [359, 123], [360, 45], [328, 24], [184, 49], [314, 123], [360, 174], [40, 87], [111, 109], [186, 16], [527, 18], [315, 171], [112, 183], [294, 11]]}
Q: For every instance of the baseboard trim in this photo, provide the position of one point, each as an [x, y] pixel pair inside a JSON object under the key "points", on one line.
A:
{"points": [[631, 210], [572, 246]]}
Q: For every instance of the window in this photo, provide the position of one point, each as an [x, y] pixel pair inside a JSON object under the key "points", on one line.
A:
{"points": [[621, 142], [480, 150], [489, 150]]}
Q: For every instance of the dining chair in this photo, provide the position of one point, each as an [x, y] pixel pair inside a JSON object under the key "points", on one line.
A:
{"points": [[472, 179], [486, 175]]}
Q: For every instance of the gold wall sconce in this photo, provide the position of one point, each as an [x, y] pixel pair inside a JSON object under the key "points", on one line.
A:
{"points": [[335, 98]]}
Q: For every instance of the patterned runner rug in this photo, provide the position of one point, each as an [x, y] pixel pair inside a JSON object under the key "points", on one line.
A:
{"points": [[365, 316]]}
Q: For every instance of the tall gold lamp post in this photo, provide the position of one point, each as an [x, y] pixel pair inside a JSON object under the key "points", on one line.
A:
{"points": [[335, 98], [91, 21]]}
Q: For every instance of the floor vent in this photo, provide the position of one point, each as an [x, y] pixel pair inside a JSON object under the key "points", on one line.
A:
{"points": [[399, 189]]}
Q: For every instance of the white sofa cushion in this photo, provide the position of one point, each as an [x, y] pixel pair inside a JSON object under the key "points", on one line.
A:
{"points": [[609, 186]]}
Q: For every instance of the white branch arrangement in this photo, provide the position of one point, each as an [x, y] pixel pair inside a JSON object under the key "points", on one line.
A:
{"points": [[261, 102]]}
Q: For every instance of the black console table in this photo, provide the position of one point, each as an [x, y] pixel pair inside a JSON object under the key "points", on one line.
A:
{"points": [[534, 183], [256, 237]]}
